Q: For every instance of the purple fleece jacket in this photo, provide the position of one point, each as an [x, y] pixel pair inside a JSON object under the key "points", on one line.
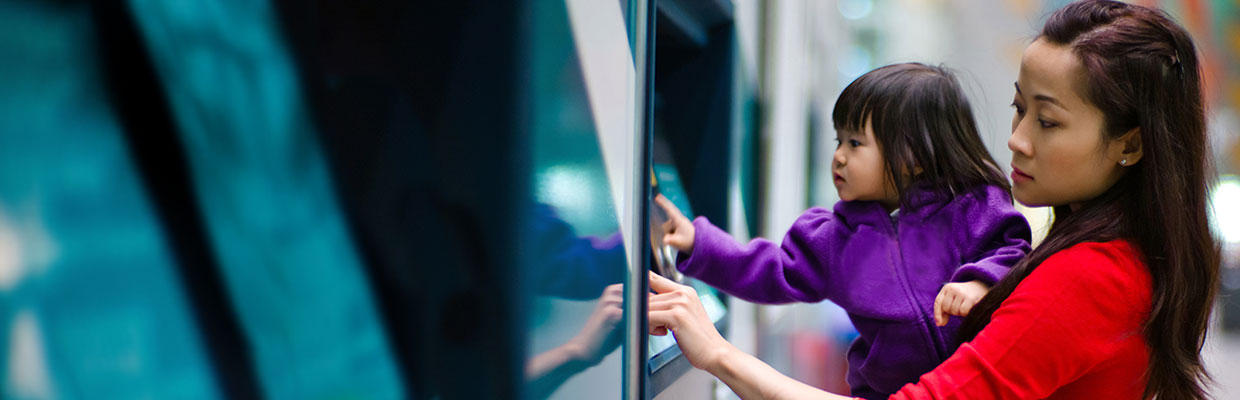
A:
{"points": [[884, 274]]}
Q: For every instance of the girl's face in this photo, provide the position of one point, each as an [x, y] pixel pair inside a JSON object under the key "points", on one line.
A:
{"points": [[859, 170], [1059, 155]]}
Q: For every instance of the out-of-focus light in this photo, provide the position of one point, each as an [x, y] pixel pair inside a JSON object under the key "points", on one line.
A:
{"points": [[856, 9], [854, 63], [1225, 207], [569, 189], [28, 376], [10, 255]]}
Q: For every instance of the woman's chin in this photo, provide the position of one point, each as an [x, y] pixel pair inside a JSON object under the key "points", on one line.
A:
{"points": [[1028, 201]]}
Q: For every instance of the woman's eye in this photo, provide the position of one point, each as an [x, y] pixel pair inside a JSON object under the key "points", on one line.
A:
{"points": [[1046, 124], [1019, 110]]}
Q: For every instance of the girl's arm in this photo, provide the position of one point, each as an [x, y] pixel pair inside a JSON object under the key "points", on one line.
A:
{"points": [[999, 236], [799, 269]]}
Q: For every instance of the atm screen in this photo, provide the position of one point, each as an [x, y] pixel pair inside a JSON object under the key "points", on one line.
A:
{"points": [[666, 181]]}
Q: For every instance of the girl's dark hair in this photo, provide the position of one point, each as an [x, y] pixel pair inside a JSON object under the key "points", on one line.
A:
{"points": [[921, 119], [1140, 69]]}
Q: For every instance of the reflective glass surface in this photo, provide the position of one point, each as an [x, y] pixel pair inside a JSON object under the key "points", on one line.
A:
{"points": [[286, 256], [91, 305], [578, 264]]}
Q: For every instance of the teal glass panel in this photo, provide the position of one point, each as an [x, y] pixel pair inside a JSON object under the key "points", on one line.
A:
{"points": [[91, 305], [574, 328], [288, 261]]}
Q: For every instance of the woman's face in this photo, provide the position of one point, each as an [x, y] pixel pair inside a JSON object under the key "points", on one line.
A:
{"points": [[1059, 155]]}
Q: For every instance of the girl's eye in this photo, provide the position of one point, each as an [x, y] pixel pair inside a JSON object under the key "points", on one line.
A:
{"points": [[838, 142], [854, 143]]}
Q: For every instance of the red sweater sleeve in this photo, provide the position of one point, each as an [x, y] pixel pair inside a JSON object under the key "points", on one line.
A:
{"points": [[1076, 311]]}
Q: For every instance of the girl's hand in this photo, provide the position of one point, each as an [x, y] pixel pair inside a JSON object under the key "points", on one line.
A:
{"points": [[957, 299], [678, 309], [678, 230]]}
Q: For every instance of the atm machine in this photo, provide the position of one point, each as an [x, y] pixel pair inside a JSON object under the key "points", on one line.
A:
{"points": [[665, 363], [703, 150]]}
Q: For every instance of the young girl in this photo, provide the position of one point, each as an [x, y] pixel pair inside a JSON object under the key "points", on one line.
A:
{"points": [[923, 205]]}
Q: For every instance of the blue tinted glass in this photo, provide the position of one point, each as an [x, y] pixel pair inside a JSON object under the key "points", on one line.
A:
{"points": [[575, 327], [289, 262], [91, 305]]}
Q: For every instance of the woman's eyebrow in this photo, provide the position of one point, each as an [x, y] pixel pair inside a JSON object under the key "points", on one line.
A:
{"points": [[1049, 99], [1041, 97]]}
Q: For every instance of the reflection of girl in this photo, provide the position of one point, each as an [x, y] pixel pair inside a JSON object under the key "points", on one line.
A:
{"points": [[886, 250], [1109, 129]]}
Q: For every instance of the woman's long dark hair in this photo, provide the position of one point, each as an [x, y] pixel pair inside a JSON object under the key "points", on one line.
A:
{"points": [[921, 119], [1140, 69]]}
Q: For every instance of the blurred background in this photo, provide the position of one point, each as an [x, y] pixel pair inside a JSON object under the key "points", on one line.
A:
{"points": [[392, 199]]}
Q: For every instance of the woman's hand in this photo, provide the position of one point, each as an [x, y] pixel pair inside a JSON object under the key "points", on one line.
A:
{"points": [[678, 309], [957, 299], [678, 230]]}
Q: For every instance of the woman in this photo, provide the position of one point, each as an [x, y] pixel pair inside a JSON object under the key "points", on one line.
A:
{"points": [[1109, 129]]}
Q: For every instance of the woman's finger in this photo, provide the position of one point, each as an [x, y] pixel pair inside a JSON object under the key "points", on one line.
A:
{"points": [[669, 301], [662, 285], [666, 320]]}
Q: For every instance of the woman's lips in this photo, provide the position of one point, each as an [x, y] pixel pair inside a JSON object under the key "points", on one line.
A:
{"points": [[1018, 175]]}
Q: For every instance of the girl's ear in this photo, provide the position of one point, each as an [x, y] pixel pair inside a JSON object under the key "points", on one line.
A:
{"points": [[1126, 150]]}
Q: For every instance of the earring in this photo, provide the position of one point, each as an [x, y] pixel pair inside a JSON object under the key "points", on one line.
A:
{"points": [[1123, 162]]}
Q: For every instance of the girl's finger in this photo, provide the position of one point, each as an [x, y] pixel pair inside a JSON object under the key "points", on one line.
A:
{"points": [[965, 307], [676, 241], [673, 213], [940, 318], [957, 305]]}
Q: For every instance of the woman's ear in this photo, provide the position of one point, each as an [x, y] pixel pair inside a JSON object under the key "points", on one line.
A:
{"points": [[1126, 150]]}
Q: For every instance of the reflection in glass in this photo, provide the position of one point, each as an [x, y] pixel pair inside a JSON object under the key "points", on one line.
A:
{"points": [[578, 256], [90, 302], [287, 258]]}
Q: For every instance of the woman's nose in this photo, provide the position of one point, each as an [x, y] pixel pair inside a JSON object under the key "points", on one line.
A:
{"points": [[1018, 142]]}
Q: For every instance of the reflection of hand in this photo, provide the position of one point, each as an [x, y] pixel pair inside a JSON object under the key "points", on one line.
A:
{"points": [[677, 308], [678, 230], [957, 299], [598, 337]]}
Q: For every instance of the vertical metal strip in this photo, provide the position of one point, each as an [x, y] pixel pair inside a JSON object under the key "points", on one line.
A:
{"points": [[641, 37]]}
